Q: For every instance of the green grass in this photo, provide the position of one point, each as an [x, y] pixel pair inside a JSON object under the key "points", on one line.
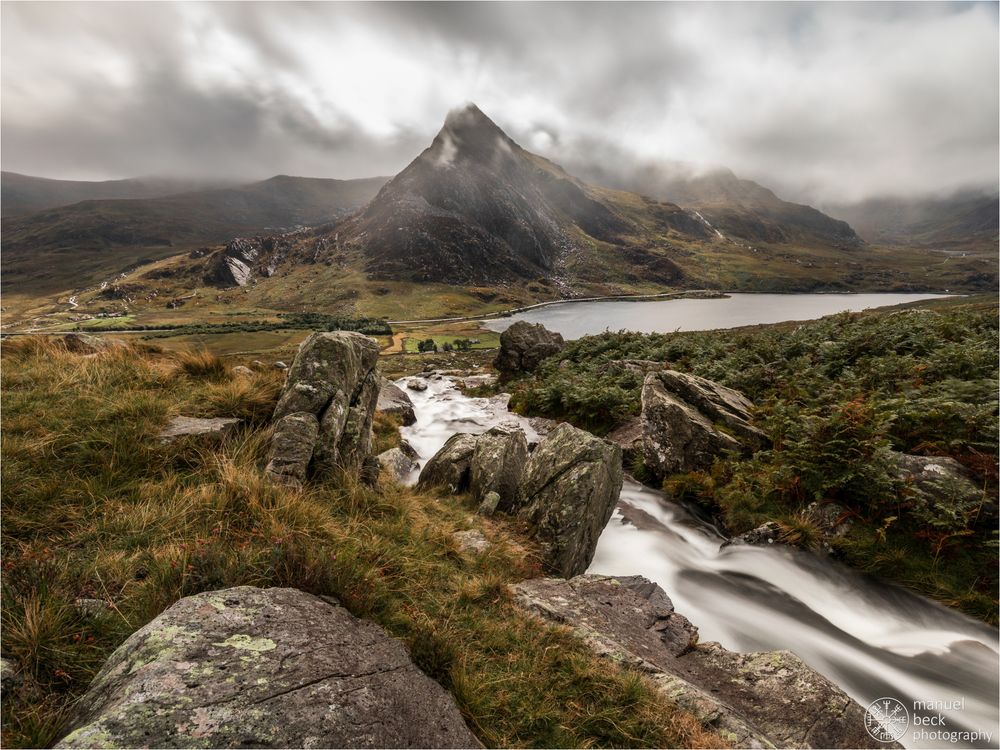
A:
{"points": [[835, 396], [96, 507]]}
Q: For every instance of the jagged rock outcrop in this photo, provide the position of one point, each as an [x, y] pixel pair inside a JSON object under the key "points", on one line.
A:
{"points": [[523, 346], [393, 400], [451, 466], [688, 421], [250, 667], [188, 427], [244, 257], [570, 487], [334, 378], [765, 699], [498, 464]]}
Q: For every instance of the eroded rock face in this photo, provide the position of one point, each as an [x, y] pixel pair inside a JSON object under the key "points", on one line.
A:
{"points": [[523, 346], [688, 421], [628, 436], [245, 257], [498, 464], [249, 667], [570, 487], [393, 400], [334, 379], [451, 466], [766, 699], [292, 448]]}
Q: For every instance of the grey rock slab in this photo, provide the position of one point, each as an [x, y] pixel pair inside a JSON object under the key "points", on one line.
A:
{"points": [[185, 427], [764, 699], [393, 400], [250, 667]]}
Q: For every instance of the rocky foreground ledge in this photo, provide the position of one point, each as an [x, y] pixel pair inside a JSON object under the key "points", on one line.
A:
{"points": [[250, 667], [763, 699]]}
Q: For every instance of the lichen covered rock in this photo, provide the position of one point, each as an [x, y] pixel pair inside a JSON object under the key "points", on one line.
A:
{"points": [[764, 699], [570, 487], [335, 379], [687, 422], [249, 667]]}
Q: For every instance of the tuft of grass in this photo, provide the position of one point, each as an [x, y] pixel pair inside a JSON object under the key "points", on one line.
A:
{"points": [[202, 364], [96, 507]]}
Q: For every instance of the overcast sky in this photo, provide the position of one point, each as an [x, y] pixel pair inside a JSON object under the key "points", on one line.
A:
{"points": [[822, 101]]}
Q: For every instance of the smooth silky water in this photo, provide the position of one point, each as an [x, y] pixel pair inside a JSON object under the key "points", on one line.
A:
{"points": [[870, 637]]}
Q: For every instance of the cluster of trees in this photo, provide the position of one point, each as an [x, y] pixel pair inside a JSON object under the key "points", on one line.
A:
{"points": [[457, 345]]}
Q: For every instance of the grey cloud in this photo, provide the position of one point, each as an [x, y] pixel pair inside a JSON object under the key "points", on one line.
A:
{"points": [[821, 101]]}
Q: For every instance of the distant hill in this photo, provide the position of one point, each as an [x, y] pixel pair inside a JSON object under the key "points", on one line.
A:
{"points": [[22, 194], [736, 207], [475, 207], [59, 248], [968, 219]]}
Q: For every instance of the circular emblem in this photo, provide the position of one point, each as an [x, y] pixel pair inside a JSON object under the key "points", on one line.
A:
{"points": [[886, 719]]}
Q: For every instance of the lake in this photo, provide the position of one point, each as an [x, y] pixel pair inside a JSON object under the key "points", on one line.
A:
{"points": [[576, 319]]}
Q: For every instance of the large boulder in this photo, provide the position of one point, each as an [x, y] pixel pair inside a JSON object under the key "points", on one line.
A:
{"points": [[334, 378], [393, 400], [570, 487], [523, 346], [935, 476], [451, 466], [250, 667], [765, 699], [498, 464], [688, 421]]}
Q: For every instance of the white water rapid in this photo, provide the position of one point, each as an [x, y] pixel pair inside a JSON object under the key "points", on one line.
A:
{"points": [[871, 638]]}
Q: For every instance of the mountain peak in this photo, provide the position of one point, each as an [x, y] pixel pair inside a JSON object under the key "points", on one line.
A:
{"points": [[468, 133]]}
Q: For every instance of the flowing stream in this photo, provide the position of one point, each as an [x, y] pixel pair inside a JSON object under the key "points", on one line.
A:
{"points": [[871, 638]]}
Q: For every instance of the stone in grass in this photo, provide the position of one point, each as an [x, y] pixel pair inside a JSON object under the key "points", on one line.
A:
{"points": [[184, 427]]}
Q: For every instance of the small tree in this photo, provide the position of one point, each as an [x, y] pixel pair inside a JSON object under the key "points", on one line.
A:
{"points": [[462, 345], [447, 347], [427, 345]]}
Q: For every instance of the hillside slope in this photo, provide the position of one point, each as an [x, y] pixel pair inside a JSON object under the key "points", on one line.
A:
{"points": [[59, 248], [965, 220], [736, 207], [22, 194]]}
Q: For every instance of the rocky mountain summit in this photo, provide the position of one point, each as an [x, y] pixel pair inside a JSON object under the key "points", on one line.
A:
{"points": [[475, 207]]}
